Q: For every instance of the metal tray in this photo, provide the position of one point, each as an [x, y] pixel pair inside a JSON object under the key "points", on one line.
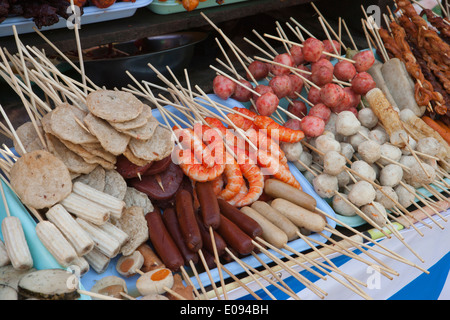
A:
{"points": [[91, 14]]}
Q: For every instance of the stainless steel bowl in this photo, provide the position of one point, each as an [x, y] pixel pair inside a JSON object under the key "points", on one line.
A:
{"points": [[173, 50]]}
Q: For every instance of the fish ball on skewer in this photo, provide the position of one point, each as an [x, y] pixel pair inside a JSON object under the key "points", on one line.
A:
{"points": [[405, 194], [379, 135], [359, 137], [363, 169], [333, 163], [391, 175], [305, 160], [347, 124], [418, 176], [362, 193], [391, 152], [386, 196], [347, 150], [375, 211], [340, 206], [325, 185], [429, 145], [292, 151], [367, 118], [343, 179], [326, 143], [369, 151]]}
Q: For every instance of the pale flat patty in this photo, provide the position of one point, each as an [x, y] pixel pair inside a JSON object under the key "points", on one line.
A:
{"points": [[64, 125], [138, 122], [40, 179], [114, 106], [111, 140], [157, 148]]}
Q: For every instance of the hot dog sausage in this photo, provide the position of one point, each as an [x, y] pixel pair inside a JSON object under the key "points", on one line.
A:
{"points": [[207, 241], [173, 227], [279, 189], [271, 233], [299, 216], [276, 218], [188, 222], [235, 237], [209, 208], [163, 243], [244, 222]]}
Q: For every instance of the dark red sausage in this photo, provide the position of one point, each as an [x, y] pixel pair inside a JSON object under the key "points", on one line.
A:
{"points": [[162, 241], [209, 208], [170, 178], [210, 259], [220, 243], [173, 227], [244, 222], [129, 170], [234, 236], [158, 166], [188, 223]]}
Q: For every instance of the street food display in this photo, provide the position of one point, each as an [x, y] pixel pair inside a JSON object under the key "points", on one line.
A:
{"points": [[162, 197]]}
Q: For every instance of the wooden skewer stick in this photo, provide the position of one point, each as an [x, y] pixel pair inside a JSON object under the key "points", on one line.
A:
{"points": [[302, 27], [319, 292], [269, 280], [328, 25], [389, 253], [301, 45], [275, 276]]}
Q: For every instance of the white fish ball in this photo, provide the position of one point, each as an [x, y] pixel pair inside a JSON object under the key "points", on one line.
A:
{"points": [[362, 193], [347, 124]]}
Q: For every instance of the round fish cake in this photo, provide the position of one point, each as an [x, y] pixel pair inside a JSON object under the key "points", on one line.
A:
{"points": [[157, 148], [40, 179], [114, 106], [65, 124], [138, 122], [110, 139]]}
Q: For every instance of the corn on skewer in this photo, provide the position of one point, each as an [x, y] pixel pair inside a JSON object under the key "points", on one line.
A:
{"points": [[4, 258], [114, 205], [115, 232], [86, 209], [104, 242], [77, 236], [97, 260], [55, 243], [16, 243]]}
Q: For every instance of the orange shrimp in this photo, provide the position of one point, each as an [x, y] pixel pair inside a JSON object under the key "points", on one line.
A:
{"points": [[277, 170], [217, 185], [197, 171], [240, 121], [190, 140], [266, 143], [213, 141], [234, 181], [274, 129], [240, 195], [255, 178]]}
